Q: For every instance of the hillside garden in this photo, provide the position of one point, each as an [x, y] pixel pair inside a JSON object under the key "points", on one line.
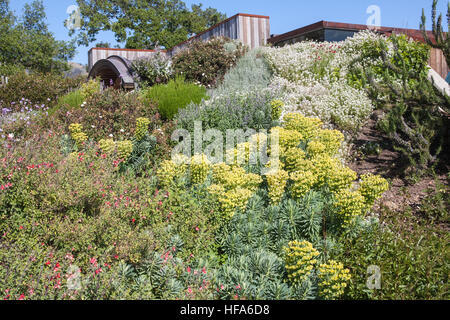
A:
{"points": [[93, 206]]}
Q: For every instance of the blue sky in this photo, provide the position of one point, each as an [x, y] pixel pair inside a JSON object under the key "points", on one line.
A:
{"points": [[285, 15]]}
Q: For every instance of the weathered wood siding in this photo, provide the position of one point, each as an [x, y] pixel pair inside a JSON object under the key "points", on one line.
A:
{"points": [[96, 54], [438, 63], [251, 30]]}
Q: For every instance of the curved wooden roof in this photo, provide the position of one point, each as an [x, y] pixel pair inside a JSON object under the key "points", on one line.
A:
{"points": [[114, 68]]}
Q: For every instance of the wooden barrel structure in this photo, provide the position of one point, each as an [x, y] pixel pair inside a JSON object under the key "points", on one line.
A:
{"points": [[114, 71]]}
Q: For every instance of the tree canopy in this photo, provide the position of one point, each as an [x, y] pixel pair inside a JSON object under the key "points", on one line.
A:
{"points": [[143, 24], [26, 41]]}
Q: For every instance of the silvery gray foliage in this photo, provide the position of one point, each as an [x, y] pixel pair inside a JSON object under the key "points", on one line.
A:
{"points": [[251, 72], [235, 110]]}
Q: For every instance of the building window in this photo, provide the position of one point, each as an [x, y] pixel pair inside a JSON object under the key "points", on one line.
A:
{"points": [[333, 35]]}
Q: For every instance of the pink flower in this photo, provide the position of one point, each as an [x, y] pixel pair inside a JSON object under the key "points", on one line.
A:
{"points": [[238, 287], [22, 296], [93, 261]]}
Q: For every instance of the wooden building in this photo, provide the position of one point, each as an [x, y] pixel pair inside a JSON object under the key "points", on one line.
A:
{"points": [[252, 30]]}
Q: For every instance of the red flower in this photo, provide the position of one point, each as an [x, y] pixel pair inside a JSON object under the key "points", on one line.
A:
{"points": [[22, 296], [93, 261]]}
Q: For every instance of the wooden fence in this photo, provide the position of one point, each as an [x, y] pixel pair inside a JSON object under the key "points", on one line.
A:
{"points": [[438, 63]]}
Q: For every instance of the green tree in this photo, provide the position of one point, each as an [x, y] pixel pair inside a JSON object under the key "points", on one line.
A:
{"points": [[27, 42], [103, 44], [143, 24], [33, 18], [441, 39]]}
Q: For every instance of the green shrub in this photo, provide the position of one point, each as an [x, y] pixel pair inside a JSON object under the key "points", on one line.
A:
{"points": [[156, 69], [175, 95], [111, 112], [236, 110], [77, 210], [72, 100], [436, 205], [206, 62], [412, 258], [90, 88], [415, 112], [8, 70], [38, 88]]}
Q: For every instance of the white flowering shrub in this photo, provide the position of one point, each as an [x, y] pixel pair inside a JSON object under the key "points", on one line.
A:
{"points": [[153, 70], [315, 79]]}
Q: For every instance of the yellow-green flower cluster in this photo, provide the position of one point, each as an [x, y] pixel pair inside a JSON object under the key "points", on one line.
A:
{"points": [[232, 199], [77, 134], [300, 260], [233, 187], [277, 109], [124, 149], [331, 139], [170, 170], [235, 177], [274, 164], [349, 205], [333, 279], [200, 167], [330, 171], [295, 159], [323, 165], [239, 155], [307, 127], [315, 148], [302, 182], [287, 138], [90, 88], [108, 146], [276, 181], [372, 188], [341, 178], [141, 128]]}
